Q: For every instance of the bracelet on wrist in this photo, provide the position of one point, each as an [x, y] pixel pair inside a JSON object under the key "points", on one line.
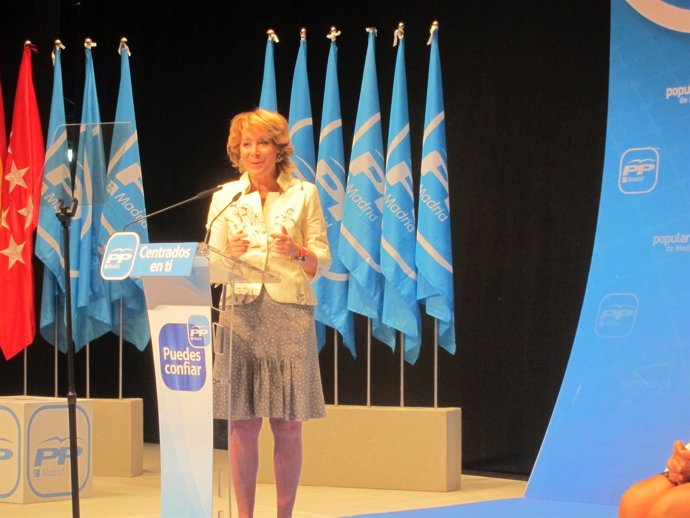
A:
{"points": [[301, 256]]}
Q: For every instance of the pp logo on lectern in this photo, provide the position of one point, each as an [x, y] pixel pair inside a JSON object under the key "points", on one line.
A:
{"points": [[198, 331], [10, 452], [119, 255]]}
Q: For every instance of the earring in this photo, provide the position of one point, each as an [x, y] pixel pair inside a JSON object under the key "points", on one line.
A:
{"points": [[241, 162], [279, 158]]}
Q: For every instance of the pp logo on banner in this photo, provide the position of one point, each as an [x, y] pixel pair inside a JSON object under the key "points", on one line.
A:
{"points": [[119, 256], [617, 315], [639, 170], [10, 454]]}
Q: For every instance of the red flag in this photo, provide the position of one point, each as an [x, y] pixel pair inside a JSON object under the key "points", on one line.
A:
{"points": [[21, 191], [3, 138]]}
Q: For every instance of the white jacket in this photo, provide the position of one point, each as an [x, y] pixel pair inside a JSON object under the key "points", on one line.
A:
{"points": [[297, 208]]}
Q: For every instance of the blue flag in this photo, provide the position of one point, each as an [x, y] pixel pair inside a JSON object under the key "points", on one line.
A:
{"points": [[299, 120], [331, 289], [125, 202], [56, 192], [400, 306], [269, 97], [434, 254], [90, 297], [360, 231]]}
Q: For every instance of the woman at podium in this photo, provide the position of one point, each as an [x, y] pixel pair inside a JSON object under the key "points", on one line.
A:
{"points": [[272, 221]]}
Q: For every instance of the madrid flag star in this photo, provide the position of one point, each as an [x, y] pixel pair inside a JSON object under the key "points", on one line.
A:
{"points": [[21, 190]]}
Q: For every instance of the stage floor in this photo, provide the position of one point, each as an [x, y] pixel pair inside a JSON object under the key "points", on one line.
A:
{"points": [[139, 497]]}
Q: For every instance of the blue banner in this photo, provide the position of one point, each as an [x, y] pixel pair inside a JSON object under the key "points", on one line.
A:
{"points": [[125, 203], [624, 396], [269, 96], [300, 121], [434, 252], [90, 293], [360, 231], [55, 193], [331, 288], [400, 306]]}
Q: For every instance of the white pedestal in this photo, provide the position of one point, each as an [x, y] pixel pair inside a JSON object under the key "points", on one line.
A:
{"points": [[118, 437], [416, 449], [34, 449]]}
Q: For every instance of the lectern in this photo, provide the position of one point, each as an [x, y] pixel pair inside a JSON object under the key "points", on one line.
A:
{"points": [[177, 280]]}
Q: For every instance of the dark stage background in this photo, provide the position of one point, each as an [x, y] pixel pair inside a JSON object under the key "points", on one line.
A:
{"points": [[526, 96]]}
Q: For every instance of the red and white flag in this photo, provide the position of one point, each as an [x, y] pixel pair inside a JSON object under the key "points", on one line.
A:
{"points": [[3, 137], [21, 191]]}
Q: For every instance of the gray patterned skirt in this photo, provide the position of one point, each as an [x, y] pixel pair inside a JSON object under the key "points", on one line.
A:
{"points": [[275, 365]]}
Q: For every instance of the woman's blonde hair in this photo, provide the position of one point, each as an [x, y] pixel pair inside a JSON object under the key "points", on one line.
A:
{"points": [[274, 124]]}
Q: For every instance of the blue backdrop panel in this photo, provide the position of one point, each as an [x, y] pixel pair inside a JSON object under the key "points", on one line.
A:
{"points": [[508, 508], [625, 394]]}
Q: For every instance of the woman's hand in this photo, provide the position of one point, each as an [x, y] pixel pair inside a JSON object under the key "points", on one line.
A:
{"points": [[283, 244], [238, 244], [679, 464]]}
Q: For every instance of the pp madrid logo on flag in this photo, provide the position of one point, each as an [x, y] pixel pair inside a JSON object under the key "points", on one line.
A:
{"points": [[118, 259], [639, 170]]}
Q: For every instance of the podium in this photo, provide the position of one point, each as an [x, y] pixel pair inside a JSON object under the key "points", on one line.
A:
{"points": [[177, 280]]}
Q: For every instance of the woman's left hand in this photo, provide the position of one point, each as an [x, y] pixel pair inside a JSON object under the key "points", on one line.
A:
{"points": [[283, 244]]}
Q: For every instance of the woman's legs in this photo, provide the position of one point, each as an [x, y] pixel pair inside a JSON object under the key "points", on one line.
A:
{"points": [[674, 503], [287, 462], [244, 462], [641, 497]]}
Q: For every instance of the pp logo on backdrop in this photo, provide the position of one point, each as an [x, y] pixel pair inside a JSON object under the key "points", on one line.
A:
{"points": [[118, 259], [639, 170], [617, 315]]}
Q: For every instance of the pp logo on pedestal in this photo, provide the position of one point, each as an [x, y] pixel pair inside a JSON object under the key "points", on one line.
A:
{"points": [[10, 452], [49, 451]]}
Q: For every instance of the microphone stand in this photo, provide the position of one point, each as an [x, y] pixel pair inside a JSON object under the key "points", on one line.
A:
{"points": [[65, 215], [198, 196]]}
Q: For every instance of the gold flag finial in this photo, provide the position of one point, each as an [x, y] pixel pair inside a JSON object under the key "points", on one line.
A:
{"points": [[399, 33], [272, 36], [123, 45], [57, 45], [303, 34], [333, 34], [89, 43], [372, 29], [434, 28]]}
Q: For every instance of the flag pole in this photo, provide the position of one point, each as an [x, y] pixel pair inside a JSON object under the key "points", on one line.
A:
{"points": [[88, 370], [121, 350], [335, 367], [402, 369], [368, 361], [435, 363], [56, 336], [26, 371]]}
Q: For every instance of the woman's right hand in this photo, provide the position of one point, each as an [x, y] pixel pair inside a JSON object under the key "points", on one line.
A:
{"points": [[679, 464], [238, 244]]}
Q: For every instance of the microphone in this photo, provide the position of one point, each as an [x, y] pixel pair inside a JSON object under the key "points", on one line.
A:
{"points": [[210, 225], [199, 196]]}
